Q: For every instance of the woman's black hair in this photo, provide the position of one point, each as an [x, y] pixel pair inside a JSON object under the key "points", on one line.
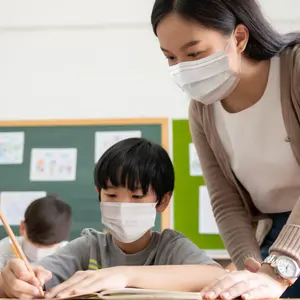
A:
{"points": [[223, 16], [136, 163]]}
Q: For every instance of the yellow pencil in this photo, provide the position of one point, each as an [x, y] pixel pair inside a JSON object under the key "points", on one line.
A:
{"points": [[16, 247]]}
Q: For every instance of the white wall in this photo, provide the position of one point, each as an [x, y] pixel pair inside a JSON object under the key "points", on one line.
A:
{"points": [[92, 59]]}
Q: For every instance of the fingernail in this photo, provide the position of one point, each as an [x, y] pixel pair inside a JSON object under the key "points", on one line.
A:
{"points": [[225, 295], [210, 295], [36, 292], [42, 281]]}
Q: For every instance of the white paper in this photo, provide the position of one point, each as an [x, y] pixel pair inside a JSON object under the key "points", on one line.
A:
{"points": [[13, 205], [195, 168], [207, 223], [53, 164], [105, 139], [11, 147]]}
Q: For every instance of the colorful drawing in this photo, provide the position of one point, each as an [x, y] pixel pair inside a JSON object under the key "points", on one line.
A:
{"points": [[14, 204], [11, 147], [105, 139], [53, 164]]}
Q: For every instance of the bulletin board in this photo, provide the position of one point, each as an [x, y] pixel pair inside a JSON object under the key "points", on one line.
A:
{"points": [[186, 196], [72, 134]]}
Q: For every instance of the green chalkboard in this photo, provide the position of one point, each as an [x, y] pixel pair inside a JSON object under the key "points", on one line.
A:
{"points": [[186, 196], [81, 193]]}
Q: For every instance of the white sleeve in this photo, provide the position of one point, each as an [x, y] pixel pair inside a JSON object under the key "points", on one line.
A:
{"points": [[6, 252]]}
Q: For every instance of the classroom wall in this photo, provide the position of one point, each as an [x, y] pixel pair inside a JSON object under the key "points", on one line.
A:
{"points": [[92, 59]]}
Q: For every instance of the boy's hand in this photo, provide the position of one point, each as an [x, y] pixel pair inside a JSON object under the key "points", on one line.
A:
{"points": [[86, 282], [18, 282]]}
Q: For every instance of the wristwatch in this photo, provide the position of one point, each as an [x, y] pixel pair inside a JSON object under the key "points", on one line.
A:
{"points": [[284, 266]]}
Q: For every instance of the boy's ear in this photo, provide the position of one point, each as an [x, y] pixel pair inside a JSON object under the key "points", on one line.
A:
{"points": [[164, 202], [22, 228]]}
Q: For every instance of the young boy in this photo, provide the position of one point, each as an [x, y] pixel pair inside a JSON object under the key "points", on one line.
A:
{"points": [[43, 231], [135, 180]]}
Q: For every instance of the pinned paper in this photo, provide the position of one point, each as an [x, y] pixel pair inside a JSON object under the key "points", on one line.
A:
{"points": [[11, 147], [105, 139], [207, 223], [53, 164], [14, 204], [195, 168]]}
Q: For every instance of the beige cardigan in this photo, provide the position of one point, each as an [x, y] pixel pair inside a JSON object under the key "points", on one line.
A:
{"points": [[234, 211]]}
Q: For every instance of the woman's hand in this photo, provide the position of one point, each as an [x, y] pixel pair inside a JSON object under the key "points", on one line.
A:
{"points": [[86, 282], [246, 284], [252, 265]]}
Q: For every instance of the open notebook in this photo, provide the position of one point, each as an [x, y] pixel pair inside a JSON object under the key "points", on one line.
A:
{"points": [[133, 293]]}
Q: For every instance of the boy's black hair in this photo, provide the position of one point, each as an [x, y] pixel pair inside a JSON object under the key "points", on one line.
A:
{"points": [[48, 221], [136, 163]]}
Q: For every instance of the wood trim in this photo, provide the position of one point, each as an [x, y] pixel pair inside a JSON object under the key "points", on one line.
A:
{"points": [[164, 122], [165, 216], [83, 122]]}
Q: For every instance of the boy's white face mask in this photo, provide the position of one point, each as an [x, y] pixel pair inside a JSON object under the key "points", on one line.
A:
{"points": [[207, 80], [128, 222], [34, 253]]}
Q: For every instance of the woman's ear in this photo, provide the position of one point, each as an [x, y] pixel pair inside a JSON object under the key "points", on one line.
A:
{"points": [[241, 35], [164, 202]]}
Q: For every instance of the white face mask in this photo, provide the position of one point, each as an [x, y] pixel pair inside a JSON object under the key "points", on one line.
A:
{"points": [[128, 222], [34, 253], [206, 80]]}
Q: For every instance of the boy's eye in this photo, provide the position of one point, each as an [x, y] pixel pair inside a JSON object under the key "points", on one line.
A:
{"points": [[111, 195], [138, 196]]}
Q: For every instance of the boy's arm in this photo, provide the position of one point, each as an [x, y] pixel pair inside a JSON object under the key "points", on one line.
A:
{"points": [[66, 261], [186, 278], [189, 278]]}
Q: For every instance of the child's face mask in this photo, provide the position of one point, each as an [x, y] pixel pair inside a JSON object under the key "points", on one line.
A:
{"points": [[34, 253], [128, 222]]}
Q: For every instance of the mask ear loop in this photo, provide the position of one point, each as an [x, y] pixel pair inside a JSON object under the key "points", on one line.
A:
{"points": [[229, 41]]}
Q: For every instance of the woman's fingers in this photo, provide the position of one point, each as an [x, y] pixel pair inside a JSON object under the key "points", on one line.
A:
{"points": [[252, 264], [238, 289]]}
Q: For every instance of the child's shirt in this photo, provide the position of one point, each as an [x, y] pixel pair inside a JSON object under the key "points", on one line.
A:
{"points": [[96, 250], [6, 252]]}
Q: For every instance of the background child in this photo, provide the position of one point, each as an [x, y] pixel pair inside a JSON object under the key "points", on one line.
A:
{"points": [[135, 180], [43, 231]]}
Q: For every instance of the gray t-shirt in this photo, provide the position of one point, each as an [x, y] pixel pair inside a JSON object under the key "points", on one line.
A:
{"points": [[95, 250]]}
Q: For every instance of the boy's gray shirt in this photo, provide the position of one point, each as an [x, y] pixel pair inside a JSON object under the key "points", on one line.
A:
{"points": [[95, 250]]}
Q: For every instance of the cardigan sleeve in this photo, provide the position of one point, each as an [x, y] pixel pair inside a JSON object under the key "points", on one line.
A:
{"points": [[233, 219], [288, 241]]}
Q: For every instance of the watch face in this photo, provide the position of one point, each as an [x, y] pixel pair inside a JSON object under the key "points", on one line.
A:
{"points": [[286, 267]]}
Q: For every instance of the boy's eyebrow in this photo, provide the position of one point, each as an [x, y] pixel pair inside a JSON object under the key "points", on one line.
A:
{"points": [[109, 186]]}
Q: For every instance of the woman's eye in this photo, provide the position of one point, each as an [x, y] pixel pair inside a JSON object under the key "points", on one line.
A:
{"points": [[170, 58], [194, 55]]}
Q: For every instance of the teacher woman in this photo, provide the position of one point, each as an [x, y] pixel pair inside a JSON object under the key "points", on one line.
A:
{"points": [[244, 81]]}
